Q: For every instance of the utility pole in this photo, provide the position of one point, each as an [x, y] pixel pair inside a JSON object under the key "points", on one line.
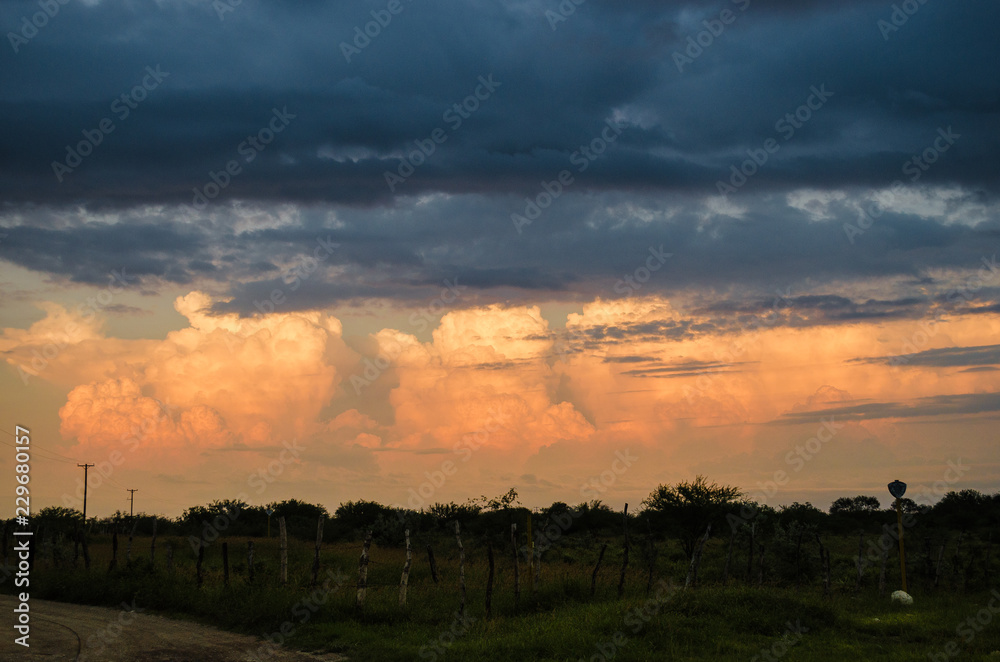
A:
{"points": [[85, 493], [131, 501]]}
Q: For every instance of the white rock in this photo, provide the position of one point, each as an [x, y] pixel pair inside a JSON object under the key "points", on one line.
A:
{"points": [[902, 597]]}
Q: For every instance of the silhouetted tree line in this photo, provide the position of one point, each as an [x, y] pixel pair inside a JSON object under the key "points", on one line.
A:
{"points": [[681, 512]]}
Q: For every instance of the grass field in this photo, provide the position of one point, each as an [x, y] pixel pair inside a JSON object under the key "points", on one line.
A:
{"points": [[558, 620]]}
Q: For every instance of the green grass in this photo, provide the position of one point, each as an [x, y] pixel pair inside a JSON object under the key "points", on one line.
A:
{"points": [[557, 621]]}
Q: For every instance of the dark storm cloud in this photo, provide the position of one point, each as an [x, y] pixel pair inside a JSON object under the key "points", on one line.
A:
{"points": [[947, 357], [940, 405], [555, 90]]}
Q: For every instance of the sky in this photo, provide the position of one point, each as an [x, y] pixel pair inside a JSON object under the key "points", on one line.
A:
{"points": [[416, 251]]}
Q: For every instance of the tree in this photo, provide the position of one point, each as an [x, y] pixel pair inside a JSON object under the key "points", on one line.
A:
{"points": [[855, 505], [685, 509]]}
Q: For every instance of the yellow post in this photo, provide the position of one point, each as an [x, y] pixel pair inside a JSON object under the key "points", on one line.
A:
{"points": [[902, 551]]}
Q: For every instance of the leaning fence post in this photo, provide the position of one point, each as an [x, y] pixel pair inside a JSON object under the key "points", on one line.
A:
{"points": [[405, 579], [621, 579], [597, 566], [461, 569], [128, 550], [861, 567], [885, 561], [433, 564], [692, 576], [152, 544], [284, 550], [489, 581], [114, 549], [201, 557], [319, 543], [250, 561], [363, 570], [517, 574]]}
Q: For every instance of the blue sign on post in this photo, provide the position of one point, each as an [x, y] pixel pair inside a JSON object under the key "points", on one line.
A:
{"points": [[897, 488]]}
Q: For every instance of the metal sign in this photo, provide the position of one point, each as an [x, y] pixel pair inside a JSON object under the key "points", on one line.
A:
{"points": [[897, 488]]}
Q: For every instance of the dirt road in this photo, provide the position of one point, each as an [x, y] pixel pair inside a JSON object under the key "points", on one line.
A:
{"points": [[61, 631]]}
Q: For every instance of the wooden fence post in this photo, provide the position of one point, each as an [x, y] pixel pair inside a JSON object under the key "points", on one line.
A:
{"points": [[404, 581], [885, 562], [861, 567], [621, 579], [937, 570], [128, 550], [283, 532], [319, 543], [692, 576], [201, 558], [152, 544], [170, 556], [114, 550], [489, 581], [250, 561], [433, 564], [729, 557], [597, 566], [989, 548], [824, 562], [517, 573], [363, 570], [760, 574], [225, 564], [461, 569]]}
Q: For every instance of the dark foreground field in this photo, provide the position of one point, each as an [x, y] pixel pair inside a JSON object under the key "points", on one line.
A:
{"points": [[763, 618]]}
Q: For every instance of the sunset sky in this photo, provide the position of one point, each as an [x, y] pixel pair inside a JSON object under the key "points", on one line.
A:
{"points": [[419, 251]]}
